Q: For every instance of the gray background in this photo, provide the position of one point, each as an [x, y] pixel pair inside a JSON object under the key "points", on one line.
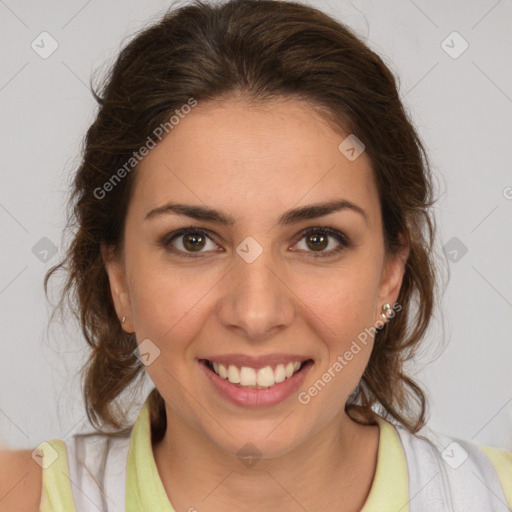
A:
{"points": [[460, 103]]}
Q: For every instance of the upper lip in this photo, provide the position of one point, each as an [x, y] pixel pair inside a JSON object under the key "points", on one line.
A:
{"points": [[256, 361]]}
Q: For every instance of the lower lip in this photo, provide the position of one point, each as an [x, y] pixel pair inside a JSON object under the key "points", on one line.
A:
{"points": [[257, 397]]}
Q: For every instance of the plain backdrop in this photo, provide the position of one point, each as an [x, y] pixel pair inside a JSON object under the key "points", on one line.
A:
{"points": [[452, 59]]}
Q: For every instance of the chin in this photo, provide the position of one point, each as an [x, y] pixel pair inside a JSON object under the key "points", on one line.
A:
{"points": [[257, 442]]}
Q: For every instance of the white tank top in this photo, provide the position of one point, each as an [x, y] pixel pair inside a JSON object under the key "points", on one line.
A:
{"points": [[449, 475], [97, 470]]}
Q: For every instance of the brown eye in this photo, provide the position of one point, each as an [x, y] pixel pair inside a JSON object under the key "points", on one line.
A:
{"points": [[317, 240], [193, 241], [190, 240]]}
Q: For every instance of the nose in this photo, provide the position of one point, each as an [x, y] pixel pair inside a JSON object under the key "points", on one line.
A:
{"points": [[256, 301]]}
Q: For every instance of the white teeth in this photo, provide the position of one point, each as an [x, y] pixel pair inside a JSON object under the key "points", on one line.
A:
{"points": [[264, 377], [247, 376], [233, 374], [222, 371], [279, 374]]}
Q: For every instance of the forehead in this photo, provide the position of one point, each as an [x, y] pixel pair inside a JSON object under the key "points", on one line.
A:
{"points": [[236, 156]]}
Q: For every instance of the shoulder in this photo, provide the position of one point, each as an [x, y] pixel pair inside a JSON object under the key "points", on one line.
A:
{"points": [[20, 481], [34, 480]]}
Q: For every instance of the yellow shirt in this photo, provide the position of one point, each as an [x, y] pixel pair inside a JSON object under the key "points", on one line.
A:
{"points": [[144, 490]]}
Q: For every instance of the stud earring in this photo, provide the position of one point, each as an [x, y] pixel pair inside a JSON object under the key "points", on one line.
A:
{"points": [[123, 320], [385, 309]]}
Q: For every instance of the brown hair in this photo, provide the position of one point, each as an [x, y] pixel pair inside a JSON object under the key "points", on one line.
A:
{"points": [[263, 50]]}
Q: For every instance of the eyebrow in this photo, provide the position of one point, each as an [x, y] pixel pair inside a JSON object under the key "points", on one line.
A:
{"points": [[293, 216]]}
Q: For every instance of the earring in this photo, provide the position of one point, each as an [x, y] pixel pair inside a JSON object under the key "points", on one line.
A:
{"points": [[123, 320], [385, 309]]}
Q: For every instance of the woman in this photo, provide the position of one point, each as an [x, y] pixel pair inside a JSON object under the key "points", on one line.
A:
{"points": [[254, 232]]}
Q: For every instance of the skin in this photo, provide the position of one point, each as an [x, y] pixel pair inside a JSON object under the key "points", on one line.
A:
{"points": [[256, 163]]}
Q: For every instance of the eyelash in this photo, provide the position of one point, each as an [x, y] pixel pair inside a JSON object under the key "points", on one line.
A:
{"points": [[339, 236]]}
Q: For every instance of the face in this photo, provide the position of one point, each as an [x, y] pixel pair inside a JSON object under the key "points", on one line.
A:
{"points": [[265, 289]]}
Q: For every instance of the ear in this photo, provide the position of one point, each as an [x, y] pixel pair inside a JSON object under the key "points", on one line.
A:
{"points": [[392, 277], [118, 286]]}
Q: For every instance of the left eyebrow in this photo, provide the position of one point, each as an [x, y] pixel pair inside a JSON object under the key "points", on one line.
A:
{"points": [[293, 216]]}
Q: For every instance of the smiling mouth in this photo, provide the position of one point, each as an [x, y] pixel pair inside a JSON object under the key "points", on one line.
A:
{"points": [[252, 378]]}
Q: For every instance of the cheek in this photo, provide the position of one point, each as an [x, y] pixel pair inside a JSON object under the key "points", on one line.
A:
{"points": [[165, 300], [166, 309], [341, 309], [344, 299]]}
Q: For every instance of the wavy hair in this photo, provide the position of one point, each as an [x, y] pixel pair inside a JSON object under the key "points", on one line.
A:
{"points": [[263, 50]]}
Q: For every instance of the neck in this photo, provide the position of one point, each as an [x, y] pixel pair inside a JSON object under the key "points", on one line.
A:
{"points": [[340, 460]]}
